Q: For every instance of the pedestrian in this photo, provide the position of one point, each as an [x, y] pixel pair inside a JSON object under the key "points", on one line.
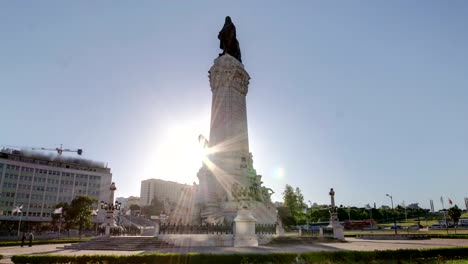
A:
{"points": [[23, 239], [31, 238]]}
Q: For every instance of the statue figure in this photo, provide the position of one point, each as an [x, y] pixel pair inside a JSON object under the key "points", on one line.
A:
{"points": [[227, 40]]}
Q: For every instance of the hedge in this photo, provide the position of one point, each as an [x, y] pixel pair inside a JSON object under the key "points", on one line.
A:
{"points": [[398, 256], [385, 255], [160, 258]]}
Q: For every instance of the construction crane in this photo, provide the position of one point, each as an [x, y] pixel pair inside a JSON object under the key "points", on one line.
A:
{"points": [[61, 150]]}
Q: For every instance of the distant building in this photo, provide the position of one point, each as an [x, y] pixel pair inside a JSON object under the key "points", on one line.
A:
{"points": [[414, 206], [38, 182], [164, 191], [132, 200], [127, 202]]}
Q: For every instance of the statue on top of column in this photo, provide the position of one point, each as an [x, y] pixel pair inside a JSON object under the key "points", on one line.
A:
{"points": [[228, 41]]}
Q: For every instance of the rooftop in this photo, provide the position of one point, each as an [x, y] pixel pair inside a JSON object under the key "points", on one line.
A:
{"points": [[32, 156]]}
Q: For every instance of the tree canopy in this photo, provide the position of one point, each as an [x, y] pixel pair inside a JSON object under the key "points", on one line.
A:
{"points": [[454, 213], [293, 210], [79, 211], [155, 208]]}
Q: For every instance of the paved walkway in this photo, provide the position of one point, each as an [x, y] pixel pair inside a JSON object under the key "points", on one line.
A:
{"points": [[351, 244]]}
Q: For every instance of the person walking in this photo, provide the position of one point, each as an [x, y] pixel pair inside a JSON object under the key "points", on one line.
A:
{"points": [[23, 239], [31, 238]]}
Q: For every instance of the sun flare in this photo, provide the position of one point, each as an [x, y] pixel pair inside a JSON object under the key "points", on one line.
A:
{"points": [[178, 155]]}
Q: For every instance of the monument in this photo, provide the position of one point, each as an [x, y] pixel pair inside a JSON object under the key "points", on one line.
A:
{"points": [[110, 208], [334, 221], [230, 190]]}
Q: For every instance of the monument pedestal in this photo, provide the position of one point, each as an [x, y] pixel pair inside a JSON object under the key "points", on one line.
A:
{"points": [[334, 221], [279, 229], [244, 234], [338, 232], [110, 222]]}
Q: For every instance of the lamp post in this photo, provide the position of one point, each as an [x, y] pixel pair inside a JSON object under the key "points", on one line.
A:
{"points": [[94, 214], [19, 211], [394, 219]]}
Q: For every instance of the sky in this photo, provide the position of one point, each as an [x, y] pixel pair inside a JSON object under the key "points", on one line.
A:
{"points": [[367, 97]]}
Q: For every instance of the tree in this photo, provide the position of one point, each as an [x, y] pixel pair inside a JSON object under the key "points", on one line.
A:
{"points": [[155, 208], [289, 200], [294, 206], [285, 216], [134, 208], [301, 207], [454, 213], [318, 214], [80, 211]]}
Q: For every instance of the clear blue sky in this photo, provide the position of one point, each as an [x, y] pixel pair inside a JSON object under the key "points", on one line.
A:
{"points": [[368, 97]]}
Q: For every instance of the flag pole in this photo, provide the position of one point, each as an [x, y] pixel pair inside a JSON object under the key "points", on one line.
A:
{"points": [[19, 223], [445, 215], [60, 223]]}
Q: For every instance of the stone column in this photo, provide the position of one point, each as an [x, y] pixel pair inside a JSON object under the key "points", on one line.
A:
{"points": [[334, 221], [110, 221], [229, 83], [244, 234]]}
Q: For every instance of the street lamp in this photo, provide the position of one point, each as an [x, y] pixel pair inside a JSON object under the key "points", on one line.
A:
{"points": [[111, 207], [394, 219]]}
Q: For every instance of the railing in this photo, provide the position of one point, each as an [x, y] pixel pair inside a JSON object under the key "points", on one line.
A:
{"points": [[310, 232], [195, 229], [265, 229], [327, 232]]}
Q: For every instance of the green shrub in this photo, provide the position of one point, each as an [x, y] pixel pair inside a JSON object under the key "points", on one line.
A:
{"points": [[385, 255], [161, 258]]}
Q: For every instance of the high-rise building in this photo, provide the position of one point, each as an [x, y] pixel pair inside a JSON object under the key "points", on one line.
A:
{"points": [[162, 190], [37, 182]]}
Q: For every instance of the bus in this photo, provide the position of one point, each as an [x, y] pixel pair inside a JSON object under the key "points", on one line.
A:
{"points": [[358, 225]]}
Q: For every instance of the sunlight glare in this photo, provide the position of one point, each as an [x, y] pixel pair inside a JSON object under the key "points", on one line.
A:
{"points": [[178, 155], [279, 173]]}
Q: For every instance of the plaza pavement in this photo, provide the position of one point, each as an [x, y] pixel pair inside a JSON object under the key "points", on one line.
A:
{"points": [[351, 244]]}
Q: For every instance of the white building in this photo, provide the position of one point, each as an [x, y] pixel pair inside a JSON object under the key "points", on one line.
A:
{"points": [[127, 202], [162, 190], [38, 182]]}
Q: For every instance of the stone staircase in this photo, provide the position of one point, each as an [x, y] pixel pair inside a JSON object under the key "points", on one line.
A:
{"points": [[124, 243]]}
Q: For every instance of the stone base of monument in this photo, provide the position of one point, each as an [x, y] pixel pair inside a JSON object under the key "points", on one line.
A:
{"points": [[338, 232], [107, 232], [244, 229], [279, 230], [214, 240]]}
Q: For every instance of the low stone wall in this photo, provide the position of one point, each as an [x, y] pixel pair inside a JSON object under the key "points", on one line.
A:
{"points": [[198, 240], [265, 239], [207, 240]]}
